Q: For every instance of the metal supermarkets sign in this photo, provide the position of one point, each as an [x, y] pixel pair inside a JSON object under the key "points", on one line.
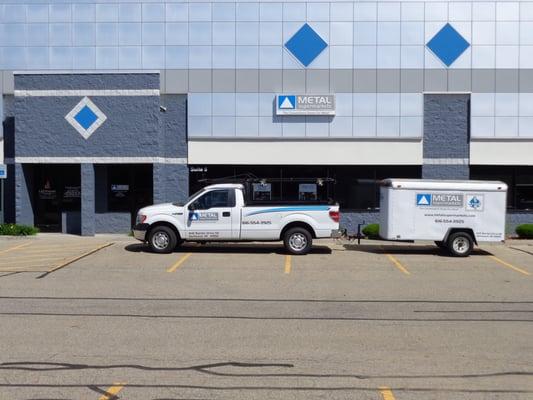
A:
{"points": [[305, 104], [439, 199]]}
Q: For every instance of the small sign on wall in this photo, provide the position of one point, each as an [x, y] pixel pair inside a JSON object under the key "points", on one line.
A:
{"points": [[3, 171], [305, 104]]}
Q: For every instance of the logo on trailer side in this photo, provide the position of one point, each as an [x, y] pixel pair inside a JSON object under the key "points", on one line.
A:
{"points": [[423, 199], [474, 202], [440, 199]]}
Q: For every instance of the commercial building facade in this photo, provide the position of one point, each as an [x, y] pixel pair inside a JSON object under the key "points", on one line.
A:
{"points": [[113, 105]]}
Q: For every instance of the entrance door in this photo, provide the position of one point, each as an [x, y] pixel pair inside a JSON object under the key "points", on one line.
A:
{"points": [[57, 190], [129, 188], [210, 216]]}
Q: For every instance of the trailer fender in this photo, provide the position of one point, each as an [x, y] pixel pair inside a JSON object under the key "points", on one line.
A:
{"points": [[454, 230]]}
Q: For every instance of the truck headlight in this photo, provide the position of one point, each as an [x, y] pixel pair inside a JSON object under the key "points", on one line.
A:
{"points": [[140, 218]]}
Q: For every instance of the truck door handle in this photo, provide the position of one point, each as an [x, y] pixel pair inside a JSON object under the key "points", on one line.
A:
{"points": [[226, 214]]}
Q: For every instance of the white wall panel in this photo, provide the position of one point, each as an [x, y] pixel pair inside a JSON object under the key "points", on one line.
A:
{"points": [[296, 152]]}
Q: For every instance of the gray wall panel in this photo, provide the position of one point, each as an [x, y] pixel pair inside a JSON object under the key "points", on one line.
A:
{"points": [[174, 126], [97, 81], [132, 127], [112, 222], [446, 135], [88, 227], [23, 194], [247, 80]]}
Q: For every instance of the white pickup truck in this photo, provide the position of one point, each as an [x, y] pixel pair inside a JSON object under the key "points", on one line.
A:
{"points": [[221, 213]]}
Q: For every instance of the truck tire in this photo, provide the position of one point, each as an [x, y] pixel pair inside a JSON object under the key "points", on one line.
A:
{"points": [[162, 239], [460, 244], [298, 241]]}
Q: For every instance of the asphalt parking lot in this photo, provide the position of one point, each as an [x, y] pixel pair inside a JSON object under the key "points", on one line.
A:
{"points": [[245, 321]]}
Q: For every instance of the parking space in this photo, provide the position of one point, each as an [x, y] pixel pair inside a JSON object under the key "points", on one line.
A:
{"points": [[45, 255]]}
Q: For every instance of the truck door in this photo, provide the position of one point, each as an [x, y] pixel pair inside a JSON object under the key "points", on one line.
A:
{"points": [[210, 216]]}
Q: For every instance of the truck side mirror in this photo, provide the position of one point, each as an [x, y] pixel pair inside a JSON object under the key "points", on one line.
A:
{"points": [[191, 207]]}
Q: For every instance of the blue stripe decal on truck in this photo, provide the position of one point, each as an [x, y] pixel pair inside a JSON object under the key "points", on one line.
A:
{"points": [[289, 209]]}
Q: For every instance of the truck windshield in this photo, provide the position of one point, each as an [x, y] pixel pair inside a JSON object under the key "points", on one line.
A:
{"points": [[189, 199]]}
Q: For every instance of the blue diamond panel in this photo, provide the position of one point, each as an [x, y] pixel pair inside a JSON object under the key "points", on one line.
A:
{"points": [[448, 45], [306, 45], [86, 117]]}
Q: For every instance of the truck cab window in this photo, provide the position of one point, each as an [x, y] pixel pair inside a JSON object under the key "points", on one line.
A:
{"points": [[215, 198]]}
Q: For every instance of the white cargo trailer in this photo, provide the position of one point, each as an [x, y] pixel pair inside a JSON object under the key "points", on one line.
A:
{"points": [[454, 214]]}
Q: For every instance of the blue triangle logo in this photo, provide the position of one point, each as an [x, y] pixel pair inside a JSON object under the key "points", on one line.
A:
{"points": [[286, 102], [423, 199]]}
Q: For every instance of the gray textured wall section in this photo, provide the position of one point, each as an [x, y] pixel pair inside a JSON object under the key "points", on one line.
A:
{"points": [[446, 126], [87, 200], [171, 183], [112, 222], [9, 195], [132, 127], [516, 218], [96, 81], [350, 219], [23, 194], [445, 172], [446, 135], [174, 126]]}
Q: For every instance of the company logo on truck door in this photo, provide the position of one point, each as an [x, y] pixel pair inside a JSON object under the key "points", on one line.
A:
{"points": [[203, 216], [439, 199]]}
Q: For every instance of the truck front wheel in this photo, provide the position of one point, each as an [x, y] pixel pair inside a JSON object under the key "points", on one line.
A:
{"points": [[298, 241], [162, 239], [460, 244]]}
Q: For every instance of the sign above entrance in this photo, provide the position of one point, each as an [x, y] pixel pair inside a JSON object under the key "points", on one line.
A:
{"points": [[305, 104], [3, 171]]}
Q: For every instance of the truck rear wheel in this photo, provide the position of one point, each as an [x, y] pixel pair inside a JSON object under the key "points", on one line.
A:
{"points": [[298, 241], [162, 239], [460, 244]]}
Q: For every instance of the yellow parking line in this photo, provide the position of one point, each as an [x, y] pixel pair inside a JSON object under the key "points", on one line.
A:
{"points": [[386, 393], [398, 264], [112, 391], [506, 264], [288, 260], [15, 248], [179, 262]]}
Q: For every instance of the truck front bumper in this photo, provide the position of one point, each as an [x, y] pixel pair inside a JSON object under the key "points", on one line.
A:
{"points": [[139, 231]]}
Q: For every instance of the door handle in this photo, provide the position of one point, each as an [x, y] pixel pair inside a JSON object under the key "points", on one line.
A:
{"points": [[226, 214]]}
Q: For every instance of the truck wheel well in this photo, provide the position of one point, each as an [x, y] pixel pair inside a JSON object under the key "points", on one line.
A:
{"points": [[465, 230], [163, 223], [303, 225]]}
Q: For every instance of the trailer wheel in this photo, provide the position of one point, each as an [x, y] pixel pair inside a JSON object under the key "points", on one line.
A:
{"points": [[460, 244], [162, 239], [298, 241]]}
